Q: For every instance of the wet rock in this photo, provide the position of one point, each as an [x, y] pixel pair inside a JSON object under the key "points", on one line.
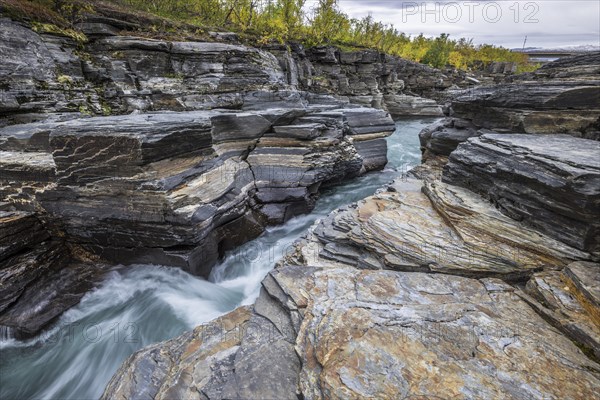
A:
{"points": [[39, 279], [54, 290]]}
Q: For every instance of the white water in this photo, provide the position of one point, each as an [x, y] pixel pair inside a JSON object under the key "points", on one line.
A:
{"points": [[137, 306]]}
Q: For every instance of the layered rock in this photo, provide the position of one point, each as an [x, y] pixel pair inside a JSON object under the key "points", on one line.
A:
{"points": [[39, 277], [440, 228], [367, 78], [202, 145], [569, 300], [550, 182], [182, 188], [339, 332], [423, 290], [117, 74], [561, 97]]}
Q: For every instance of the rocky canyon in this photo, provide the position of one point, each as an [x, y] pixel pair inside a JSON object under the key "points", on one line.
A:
{"points": [[474, 275]]}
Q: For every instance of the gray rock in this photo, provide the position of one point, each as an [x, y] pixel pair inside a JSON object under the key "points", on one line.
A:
{"points": [[550, 182], [180, 189], [304, 131], [561, 97]]}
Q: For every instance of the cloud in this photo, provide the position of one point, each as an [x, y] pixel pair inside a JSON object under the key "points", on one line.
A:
{"points": [[546, 23]]}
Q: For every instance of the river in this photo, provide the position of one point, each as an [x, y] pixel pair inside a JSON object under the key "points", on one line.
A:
{"points": [[144, 304]]}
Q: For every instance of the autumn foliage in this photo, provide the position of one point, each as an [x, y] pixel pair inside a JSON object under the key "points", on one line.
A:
{"points": [[313, 23]]}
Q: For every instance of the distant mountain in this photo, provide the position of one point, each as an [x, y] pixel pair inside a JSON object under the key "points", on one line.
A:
{"points": [[584, 48]]}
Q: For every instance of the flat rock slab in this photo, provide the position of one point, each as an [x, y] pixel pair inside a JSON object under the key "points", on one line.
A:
{"points": [[551, 182], [302, 131]]}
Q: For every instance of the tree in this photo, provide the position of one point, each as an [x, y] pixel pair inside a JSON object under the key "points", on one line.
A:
{"points": [[438, 54]]}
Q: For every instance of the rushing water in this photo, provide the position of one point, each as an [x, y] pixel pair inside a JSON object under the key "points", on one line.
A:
{"points": [[145, 304]]}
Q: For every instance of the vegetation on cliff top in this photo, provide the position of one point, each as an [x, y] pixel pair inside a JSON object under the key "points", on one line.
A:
{"points": [[264, 21]]}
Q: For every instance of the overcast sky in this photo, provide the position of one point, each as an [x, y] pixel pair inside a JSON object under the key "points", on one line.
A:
{"points": [[546, 23]]}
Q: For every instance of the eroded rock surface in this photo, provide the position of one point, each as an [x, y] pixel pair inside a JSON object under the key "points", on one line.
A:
{"points": [[434, 228], [551, 182], [181, 188], [39, 277], [562, 97], [404, 294], [114, 73], [339, 332]]}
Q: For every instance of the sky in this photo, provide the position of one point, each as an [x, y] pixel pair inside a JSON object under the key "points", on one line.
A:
{"points": [[546, 23]]}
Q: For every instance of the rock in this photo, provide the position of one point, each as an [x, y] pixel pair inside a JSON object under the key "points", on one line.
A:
{"points": [[405, 105], [147, 371], [304, 131], [359, 333], [567, 307], [118, 74], [39, 279], [442, 138], [366, 78], [180, 189], [584, 277], [19, 231], [414, 292], [20, 271], [246, 356], [550, 182], [446, 229], [561, 97], [53, 291]]}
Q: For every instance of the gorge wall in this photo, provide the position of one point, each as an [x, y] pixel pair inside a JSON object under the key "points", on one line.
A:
{"points": [[123, 149]]}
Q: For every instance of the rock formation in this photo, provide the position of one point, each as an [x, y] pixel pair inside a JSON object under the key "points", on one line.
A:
{"points": [[181, 188], [40, 276], [116, 74], [478, 281], [367, 78], [404, 294], [138, 150], [426, 289], [551, 183], [561, 97]]}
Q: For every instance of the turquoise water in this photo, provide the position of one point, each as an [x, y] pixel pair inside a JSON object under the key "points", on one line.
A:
{"points": [[140, 305]]}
